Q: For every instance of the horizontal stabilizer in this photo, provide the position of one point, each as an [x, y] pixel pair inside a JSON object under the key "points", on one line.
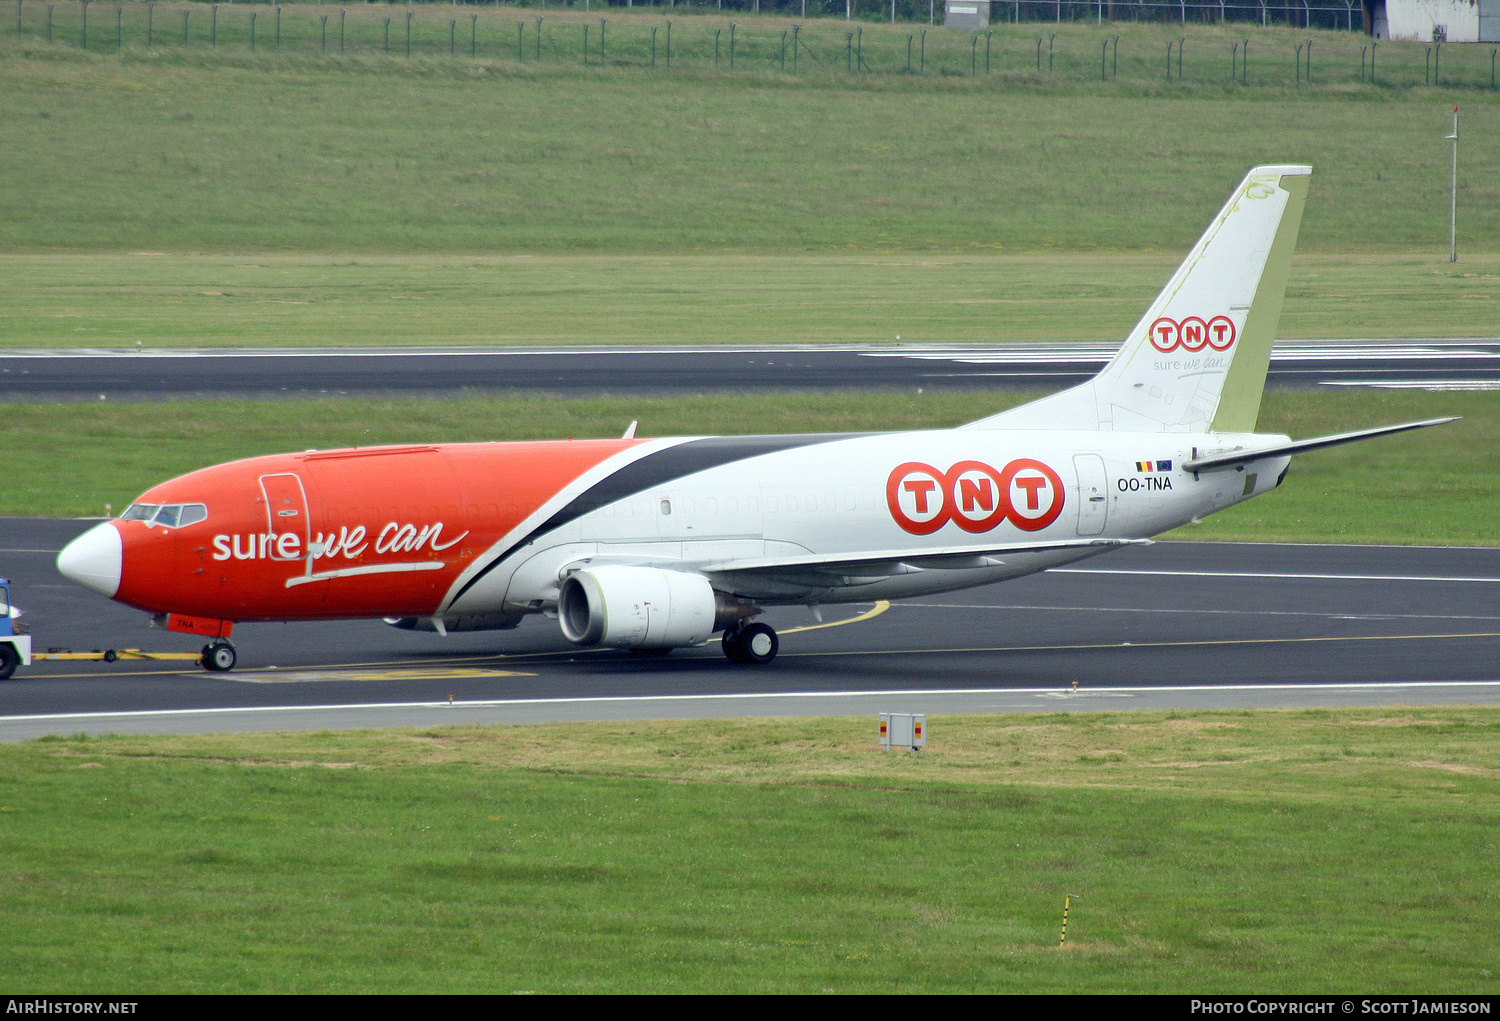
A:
{"points": [[1233, 458]]}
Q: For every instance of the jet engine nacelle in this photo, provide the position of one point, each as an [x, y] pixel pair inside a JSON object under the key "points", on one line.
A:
{"points": [[637, 608]]}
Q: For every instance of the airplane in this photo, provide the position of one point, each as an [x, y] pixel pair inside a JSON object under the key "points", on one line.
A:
{"points": [[657, 544]]}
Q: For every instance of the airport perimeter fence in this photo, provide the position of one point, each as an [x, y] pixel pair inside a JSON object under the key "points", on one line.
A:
{"points": [[1079, 50]]}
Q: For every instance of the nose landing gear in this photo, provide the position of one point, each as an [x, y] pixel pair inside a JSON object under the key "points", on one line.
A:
{"points": [[218, 656]]}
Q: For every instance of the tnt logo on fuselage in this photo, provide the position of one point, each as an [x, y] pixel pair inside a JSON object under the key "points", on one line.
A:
{"points": [[974, 496]]}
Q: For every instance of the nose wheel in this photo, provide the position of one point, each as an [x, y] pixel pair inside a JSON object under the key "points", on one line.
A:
{"points": [[218, 657], [753, 644]]}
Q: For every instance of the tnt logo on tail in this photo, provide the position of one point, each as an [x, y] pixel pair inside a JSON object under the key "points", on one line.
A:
{"points": [[974, 496], [1192, 334]]}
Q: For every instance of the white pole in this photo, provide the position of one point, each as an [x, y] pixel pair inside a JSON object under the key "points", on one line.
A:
{"points": [[1453, 204]]}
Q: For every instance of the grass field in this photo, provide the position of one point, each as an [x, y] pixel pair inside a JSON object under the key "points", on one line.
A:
{"points": [[223, 150], [308, 300], [1250, 852]]}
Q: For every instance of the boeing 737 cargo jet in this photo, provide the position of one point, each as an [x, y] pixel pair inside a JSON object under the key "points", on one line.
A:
{"points": [[654, 544]]}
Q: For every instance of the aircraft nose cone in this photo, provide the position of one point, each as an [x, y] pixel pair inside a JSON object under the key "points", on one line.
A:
{"points": [[93, 560]]}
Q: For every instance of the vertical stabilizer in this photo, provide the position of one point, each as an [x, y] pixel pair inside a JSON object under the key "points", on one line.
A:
{"points": [[1196, 361]]}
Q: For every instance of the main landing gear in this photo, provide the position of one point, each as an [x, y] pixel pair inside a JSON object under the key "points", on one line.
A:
{"points": [[751, 643], [218, 656]]}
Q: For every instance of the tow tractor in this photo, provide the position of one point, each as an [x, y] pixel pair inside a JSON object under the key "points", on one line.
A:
{"points": [[15, 648], [15, 645]]}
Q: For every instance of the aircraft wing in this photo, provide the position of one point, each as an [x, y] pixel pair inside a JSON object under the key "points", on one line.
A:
{"points": [[843, 570], [1243, 455]]}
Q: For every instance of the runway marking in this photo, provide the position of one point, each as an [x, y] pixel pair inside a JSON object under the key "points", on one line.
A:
{"points": [[881, 605], [1194, 611], [417, 674], [1273, 574], [1436, 385], [744, 696], [1086, 647]]}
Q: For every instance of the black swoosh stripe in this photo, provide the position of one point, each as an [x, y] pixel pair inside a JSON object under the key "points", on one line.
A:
{"points": [[653, 470]]}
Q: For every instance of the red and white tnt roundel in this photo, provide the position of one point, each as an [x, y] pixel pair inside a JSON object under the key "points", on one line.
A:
{"points": [[974, 496], [917, 496], [1192, 333], [1035, 492]]}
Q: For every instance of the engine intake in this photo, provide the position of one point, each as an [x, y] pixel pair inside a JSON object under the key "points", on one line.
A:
{"points": [[640, 608]]}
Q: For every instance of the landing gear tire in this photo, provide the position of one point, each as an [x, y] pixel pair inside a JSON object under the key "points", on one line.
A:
{"points": [[218, 657], [753, 644]]}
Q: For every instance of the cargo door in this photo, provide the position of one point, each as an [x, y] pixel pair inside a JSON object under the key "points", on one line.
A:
{"points": [[286, 517], [1093, 493]]}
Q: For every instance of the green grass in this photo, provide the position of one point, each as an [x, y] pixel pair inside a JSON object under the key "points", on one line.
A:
{"points": [[1437, 486], [196, 150], [1249, 852], [163, 300]]}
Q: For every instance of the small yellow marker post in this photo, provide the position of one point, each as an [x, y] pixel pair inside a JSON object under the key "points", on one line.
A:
{"points": [[1067, 900]]}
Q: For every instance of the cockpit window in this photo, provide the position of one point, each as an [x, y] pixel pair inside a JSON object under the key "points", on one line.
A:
{"points": [[170, 515]]}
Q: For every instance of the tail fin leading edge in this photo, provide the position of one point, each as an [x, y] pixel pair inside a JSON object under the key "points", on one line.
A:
{"points": [[1197, 360]]}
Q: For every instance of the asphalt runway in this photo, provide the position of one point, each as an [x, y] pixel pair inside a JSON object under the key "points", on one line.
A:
{"points": [[1452, 364], [1173, 625]]}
